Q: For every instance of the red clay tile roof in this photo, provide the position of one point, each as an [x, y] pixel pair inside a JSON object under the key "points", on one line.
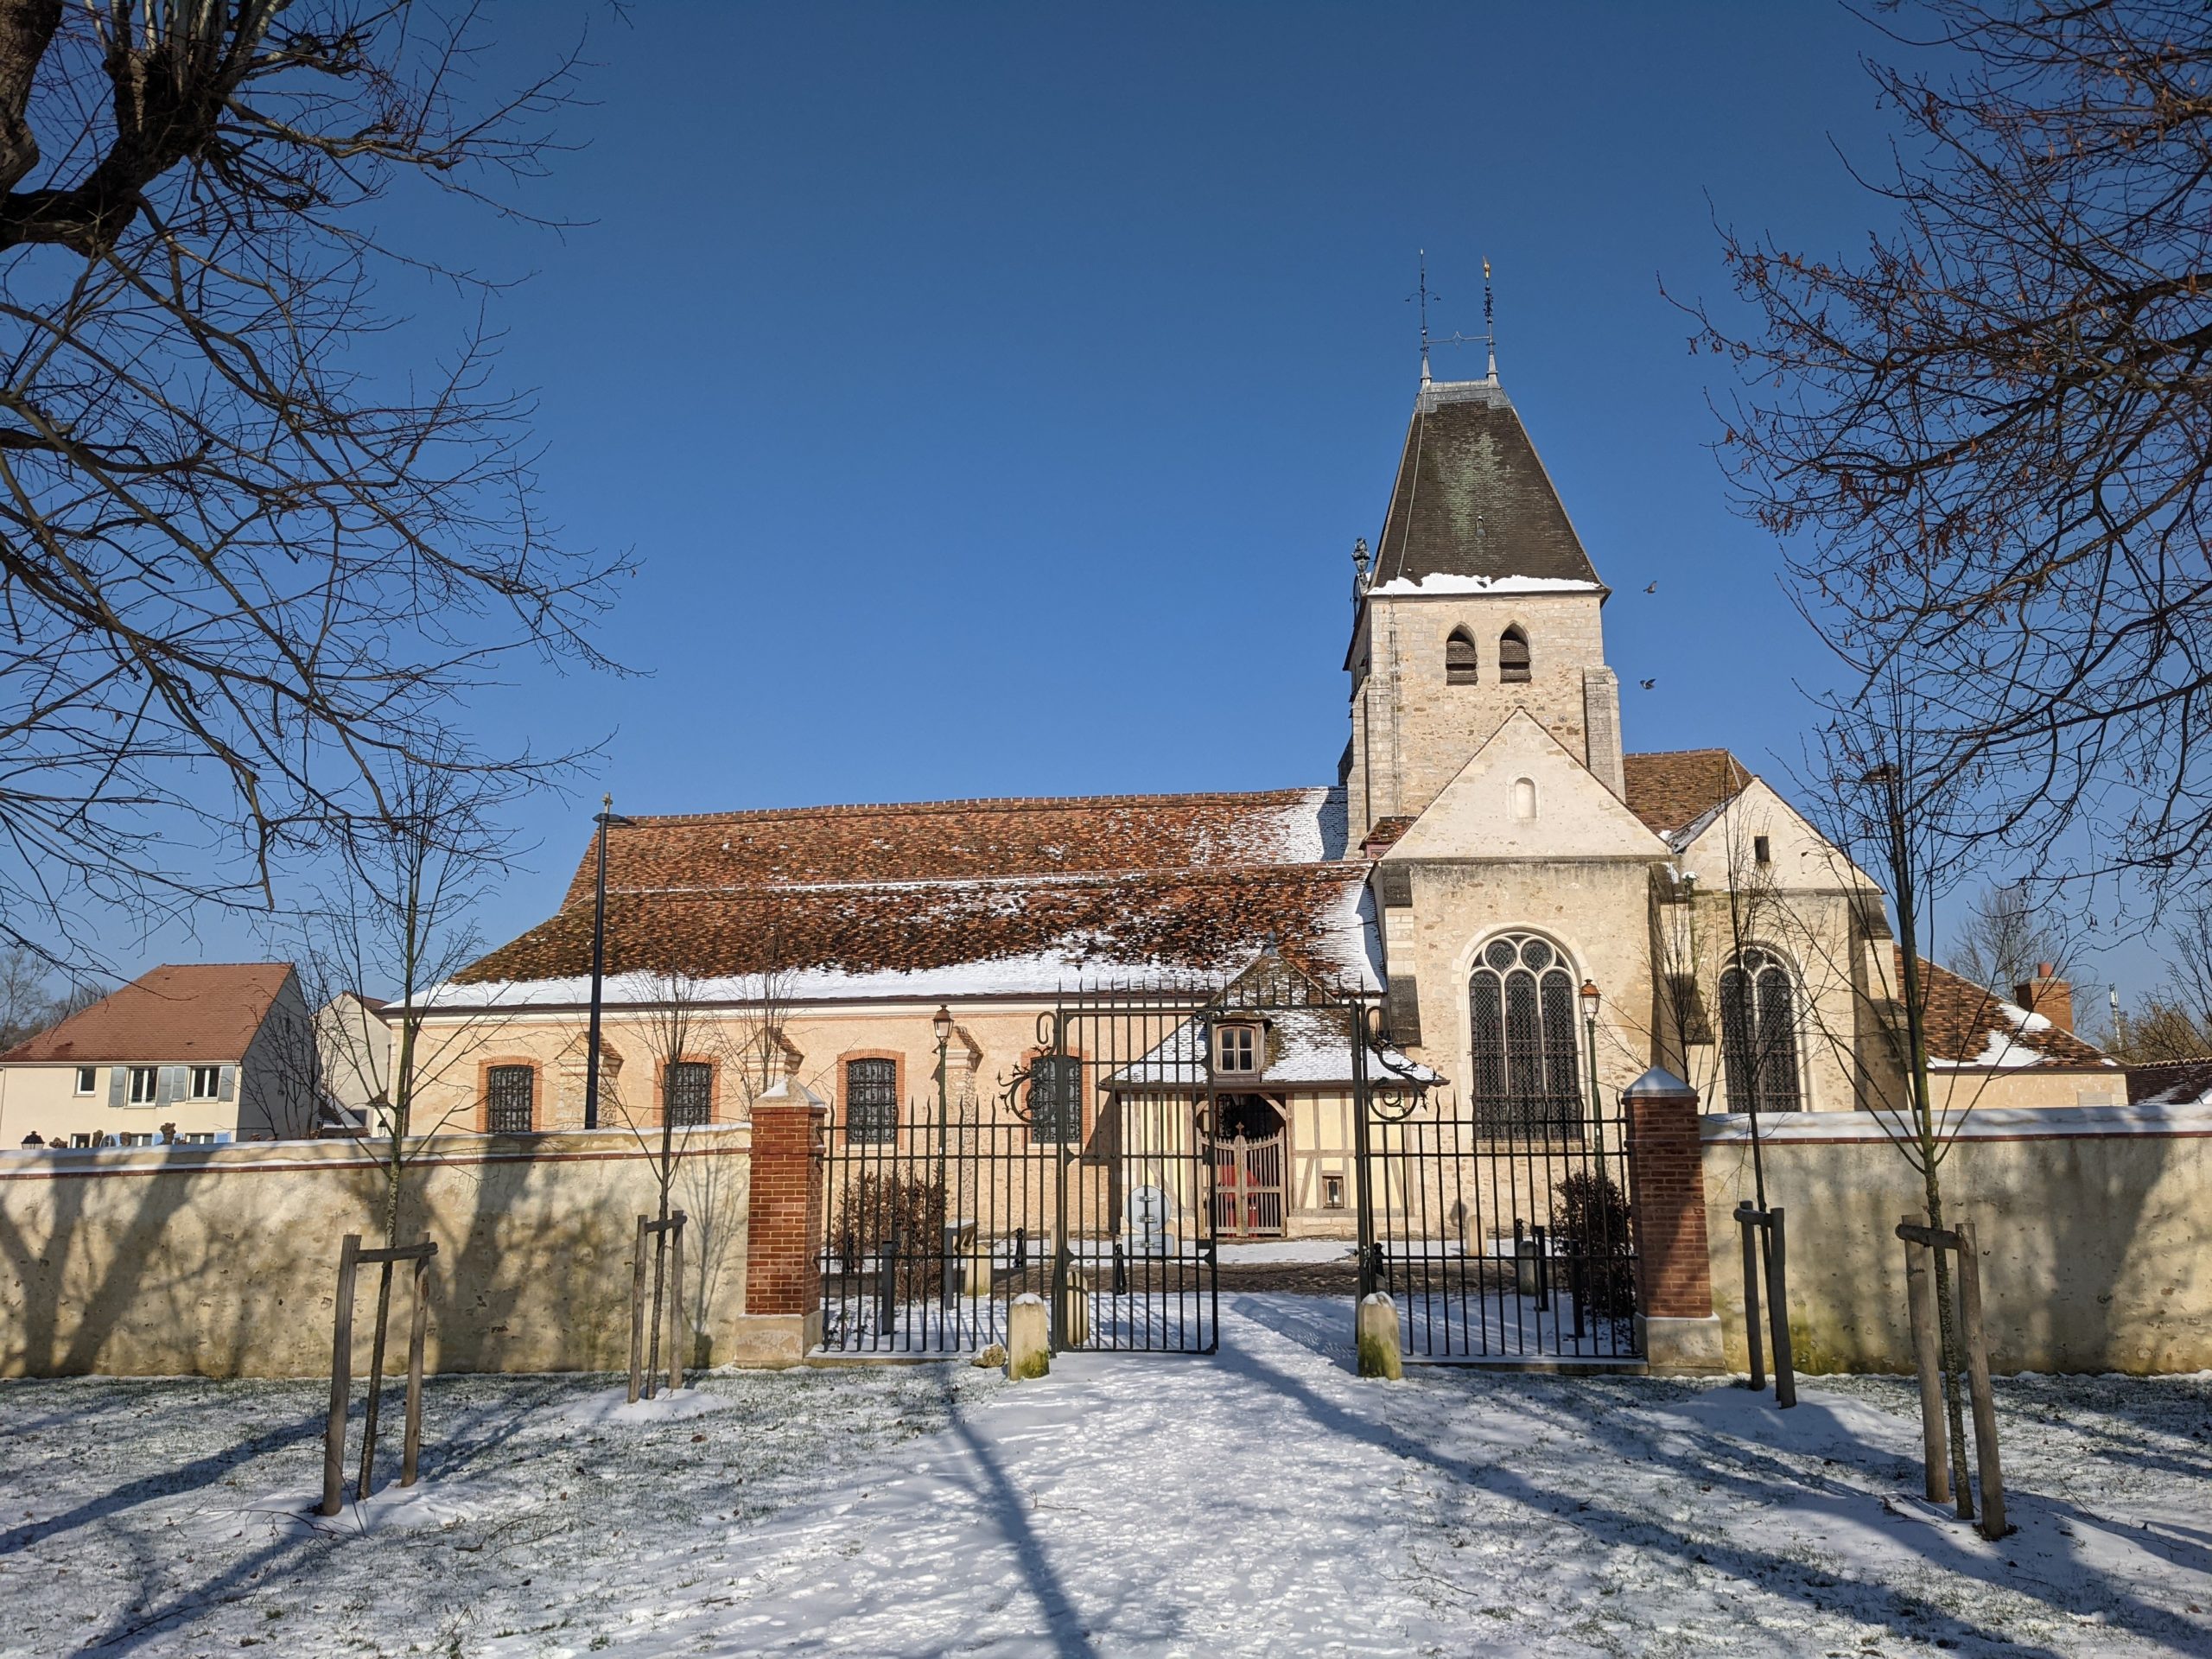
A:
{"points": [[1672, 790], [208, 1012], [1961, 1015], [2170, 1082], [1194, 881]]}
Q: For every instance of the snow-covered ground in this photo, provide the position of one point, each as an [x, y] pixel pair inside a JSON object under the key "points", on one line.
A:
{"points": [[1264, 1501]]}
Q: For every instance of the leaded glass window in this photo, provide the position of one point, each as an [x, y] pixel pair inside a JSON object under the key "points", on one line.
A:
{"points": [[690, 1093], [1527, 1076], [871, 1100], [1758, 1034], [509, 1098]]}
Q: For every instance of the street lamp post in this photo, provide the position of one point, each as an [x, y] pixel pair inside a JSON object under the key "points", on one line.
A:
{"points": [[1589, 1000], [948, 1223], [606, 820]]}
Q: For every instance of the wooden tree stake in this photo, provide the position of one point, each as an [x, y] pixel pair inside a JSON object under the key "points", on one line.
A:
{"points": [[1927, 1357], [638, 1312], [1751, 1335], [1985, 1402], [1778, 1309], [341, 1378]]}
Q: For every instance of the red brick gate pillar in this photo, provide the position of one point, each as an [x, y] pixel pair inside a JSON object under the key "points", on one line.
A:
{"points": [[1675, 1325], [782, 1322]]}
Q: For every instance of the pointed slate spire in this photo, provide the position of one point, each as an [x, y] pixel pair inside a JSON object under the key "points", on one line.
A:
{"points": [[1471, 499]]}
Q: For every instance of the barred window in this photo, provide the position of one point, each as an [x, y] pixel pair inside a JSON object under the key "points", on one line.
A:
{"points": [[508, 1099], [1758, 1034], [1527, 1074], [871, 1100], [1056, 1099], [690, 1089], [1460, 666], [1512, 656]]}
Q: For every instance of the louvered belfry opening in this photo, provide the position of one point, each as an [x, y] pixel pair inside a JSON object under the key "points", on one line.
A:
{"points": [[1513, 657], [1461, 664]]}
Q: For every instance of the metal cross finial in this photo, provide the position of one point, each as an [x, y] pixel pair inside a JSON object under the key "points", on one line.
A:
{"points": [[1424, 296], [1489, 325]]}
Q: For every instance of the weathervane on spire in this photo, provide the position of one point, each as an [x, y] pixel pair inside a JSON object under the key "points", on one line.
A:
{"points": [[1490, 324]]}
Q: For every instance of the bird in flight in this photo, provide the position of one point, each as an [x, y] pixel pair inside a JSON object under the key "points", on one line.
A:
{"points": [[1647, 685], [1651, 588]]}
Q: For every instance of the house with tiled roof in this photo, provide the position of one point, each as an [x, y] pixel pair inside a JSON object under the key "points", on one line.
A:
{"points": [[1487, 855], [193, 1052]]}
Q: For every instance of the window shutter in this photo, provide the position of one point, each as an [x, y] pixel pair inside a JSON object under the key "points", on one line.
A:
{"points": [[1396, 884], [230, 1082], [1404, 1006], [118, 1080], [170, 1085]]}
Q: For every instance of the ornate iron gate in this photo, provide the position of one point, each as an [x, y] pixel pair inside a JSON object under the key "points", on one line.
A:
{"points": [[1093, 1178], [1502, 1233]]}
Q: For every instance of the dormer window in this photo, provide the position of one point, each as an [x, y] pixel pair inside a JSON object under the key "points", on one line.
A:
{"points": [[1513, 657], [1235, 1051], [1460, 666]]}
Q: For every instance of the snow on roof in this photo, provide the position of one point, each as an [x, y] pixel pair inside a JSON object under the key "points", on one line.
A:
{"points": [[1437, 582], [962, 898], [1969, 1027]]}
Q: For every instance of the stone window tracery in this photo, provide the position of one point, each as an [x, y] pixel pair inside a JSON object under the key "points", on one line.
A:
{"points": [[1526, 1077], [1758, 1034]]}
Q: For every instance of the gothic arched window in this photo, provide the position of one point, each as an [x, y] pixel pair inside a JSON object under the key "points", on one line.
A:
{"points": [[1527, 1079], [1758, 1034], [1512, 656], [1460, 666]]}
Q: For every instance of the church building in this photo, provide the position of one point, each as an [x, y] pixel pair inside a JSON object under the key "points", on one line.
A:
{"points": [[1525, 898]]}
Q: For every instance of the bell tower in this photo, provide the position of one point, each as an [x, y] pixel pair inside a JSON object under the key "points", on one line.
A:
{"points": [[1480, 601]]}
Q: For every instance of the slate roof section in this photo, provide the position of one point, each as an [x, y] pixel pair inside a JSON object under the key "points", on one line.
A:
{"points": [[1672, 790], [1118, 883], [1962, 1017], [204, 1012], [1472, 499]]}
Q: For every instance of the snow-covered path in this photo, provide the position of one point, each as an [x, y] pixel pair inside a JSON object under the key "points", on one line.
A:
{"points": [[1265, 1501]]}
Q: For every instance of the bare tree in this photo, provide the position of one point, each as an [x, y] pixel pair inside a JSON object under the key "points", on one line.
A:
{"points": [[688, 1050], [247, 576], [1982, 437], [2174, 1021], [401, 918], [29, 1001], [1890, 804]]}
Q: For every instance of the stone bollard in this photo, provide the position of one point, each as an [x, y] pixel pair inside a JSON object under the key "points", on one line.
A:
{"points": [[1377, 1331], [1075, 1309], [1028, 1336]]}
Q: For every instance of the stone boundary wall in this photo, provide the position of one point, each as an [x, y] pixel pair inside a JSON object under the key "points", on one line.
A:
{"points": [[223, 1260], [2094, 1223]]}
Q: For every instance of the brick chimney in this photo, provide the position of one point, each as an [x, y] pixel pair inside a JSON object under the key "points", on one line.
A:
{"points": [[2048, 996]]}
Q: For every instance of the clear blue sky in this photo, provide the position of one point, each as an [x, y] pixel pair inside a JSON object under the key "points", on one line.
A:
{"points": [[992, 394]]}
